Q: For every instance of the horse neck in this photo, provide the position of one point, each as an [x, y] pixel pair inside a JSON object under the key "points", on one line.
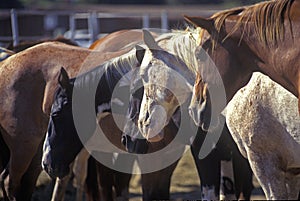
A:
{"points": [[266, 57], [182, 45], [106, 75]]}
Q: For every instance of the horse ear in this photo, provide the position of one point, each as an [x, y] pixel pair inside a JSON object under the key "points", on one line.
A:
{"points": [[149, 40], [63, 79], [140, 52], [204, 23]]}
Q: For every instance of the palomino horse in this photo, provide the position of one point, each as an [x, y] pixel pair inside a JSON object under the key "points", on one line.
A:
{"points": [[253, 116], [26, 98], [261, 37], [164, 92]]}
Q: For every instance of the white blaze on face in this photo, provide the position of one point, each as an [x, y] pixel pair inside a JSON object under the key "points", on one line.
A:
{"points": [[46, 151], [157, 121], [152, 118]]}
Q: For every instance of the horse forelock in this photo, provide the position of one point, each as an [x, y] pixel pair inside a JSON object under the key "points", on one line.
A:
{"points": [[267, 17]]}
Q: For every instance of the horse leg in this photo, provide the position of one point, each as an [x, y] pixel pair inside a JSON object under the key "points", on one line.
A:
{"points": [[293, 185], [156, 185], [270, 176], [242, 173], [106, 182], [28, 181], [3, 176], [20, 160], [121, 184], [93, 185], [60, 187], [209, 169], [242, 176], [121, 180], [80, 169], [4, 151]]}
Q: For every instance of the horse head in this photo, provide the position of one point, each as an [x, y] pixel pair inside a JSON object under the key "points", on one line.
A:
{"points": [[77, 104], [217, 63], [61, 131], [166, 84], [132, 138]]}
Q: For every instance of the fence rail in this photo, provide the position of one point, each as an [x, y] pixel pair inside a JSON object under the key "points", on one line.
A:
{"points": [[93, 19]]}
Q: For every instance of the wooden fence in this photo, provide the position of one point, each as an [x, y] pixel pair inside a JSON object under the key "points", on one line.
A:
{"points": [[93, 22]]}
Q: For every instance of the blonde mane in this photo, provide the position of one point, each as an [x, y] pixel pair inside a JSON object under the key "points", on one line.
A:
{"points": [[268, 18], [182, 43]]}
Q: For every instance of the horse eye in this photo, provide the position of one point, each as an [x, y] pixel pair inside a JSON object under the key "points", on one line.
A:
{"points": [[54, 114]]}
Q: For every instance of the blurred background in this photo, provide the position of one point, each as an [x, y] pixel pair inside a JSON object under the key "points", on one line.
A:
{"points": [[4, 4], [86, 20]]}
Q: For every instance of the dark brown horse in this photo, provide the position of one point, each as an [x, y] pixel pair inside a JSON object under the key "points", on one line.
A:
{"points": [[263, 37], [26, 97]]}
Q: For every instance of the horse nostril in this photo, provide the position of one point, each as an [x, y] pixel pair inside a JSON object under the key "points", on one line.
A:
{"points": [[124, 140], [190, 111], [44, 165], [147, 116]]}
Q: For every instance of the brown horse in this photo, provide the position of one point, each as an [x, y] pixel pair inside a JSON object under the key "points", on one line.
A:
{"points": [[26, 92], [262, 37]]}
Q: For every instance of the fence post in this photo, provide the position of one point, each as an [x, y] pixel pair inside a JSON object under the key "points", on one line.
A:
{"points": [[164, 21], [93, 26], [72, 26], [14, 26], [146, 21]]}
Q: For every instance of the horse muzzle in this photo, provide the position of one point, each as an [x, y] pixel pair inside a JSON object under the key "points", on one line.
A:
{"points": [[137, 146], [54, 172]]}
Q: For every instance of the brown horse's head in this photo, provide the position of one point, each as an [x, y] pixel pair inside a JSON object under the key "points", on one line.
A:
{"points": [[219, 73], [238, 42]]}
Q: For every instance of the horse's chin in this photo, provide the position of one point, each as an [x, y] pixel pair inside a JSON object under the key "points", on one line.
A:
{"points": [[58, 172], [137, 146], [156, 138], [153, 133]]}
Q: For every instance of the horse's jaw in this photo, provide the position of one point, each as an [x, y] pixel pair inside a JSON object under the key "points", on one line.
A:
{"points": [[152, 120]]}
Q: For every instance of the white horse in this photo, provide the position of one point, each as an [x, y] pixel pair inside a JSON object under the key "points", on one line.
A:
{"points": [[264, 122], [168, 71]]}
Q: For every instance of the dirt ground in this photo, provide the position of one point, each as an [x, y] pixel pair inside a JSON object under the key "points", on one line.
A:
{"points": [[184, 185]]}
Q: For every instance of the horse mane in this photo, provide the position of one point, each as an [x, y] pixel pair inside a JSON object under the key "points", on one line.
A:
{"points": [[111, 70], [183, 43], [268, 18]]}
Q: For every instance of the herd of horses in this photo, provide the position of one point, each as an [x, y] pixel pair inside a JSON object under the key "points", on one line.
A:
{"points": [[58, 107]]}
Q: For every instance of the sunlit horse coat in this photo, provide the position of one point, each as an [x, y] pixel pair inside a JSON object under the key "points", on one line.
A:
{"points": [[264, 122]]}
